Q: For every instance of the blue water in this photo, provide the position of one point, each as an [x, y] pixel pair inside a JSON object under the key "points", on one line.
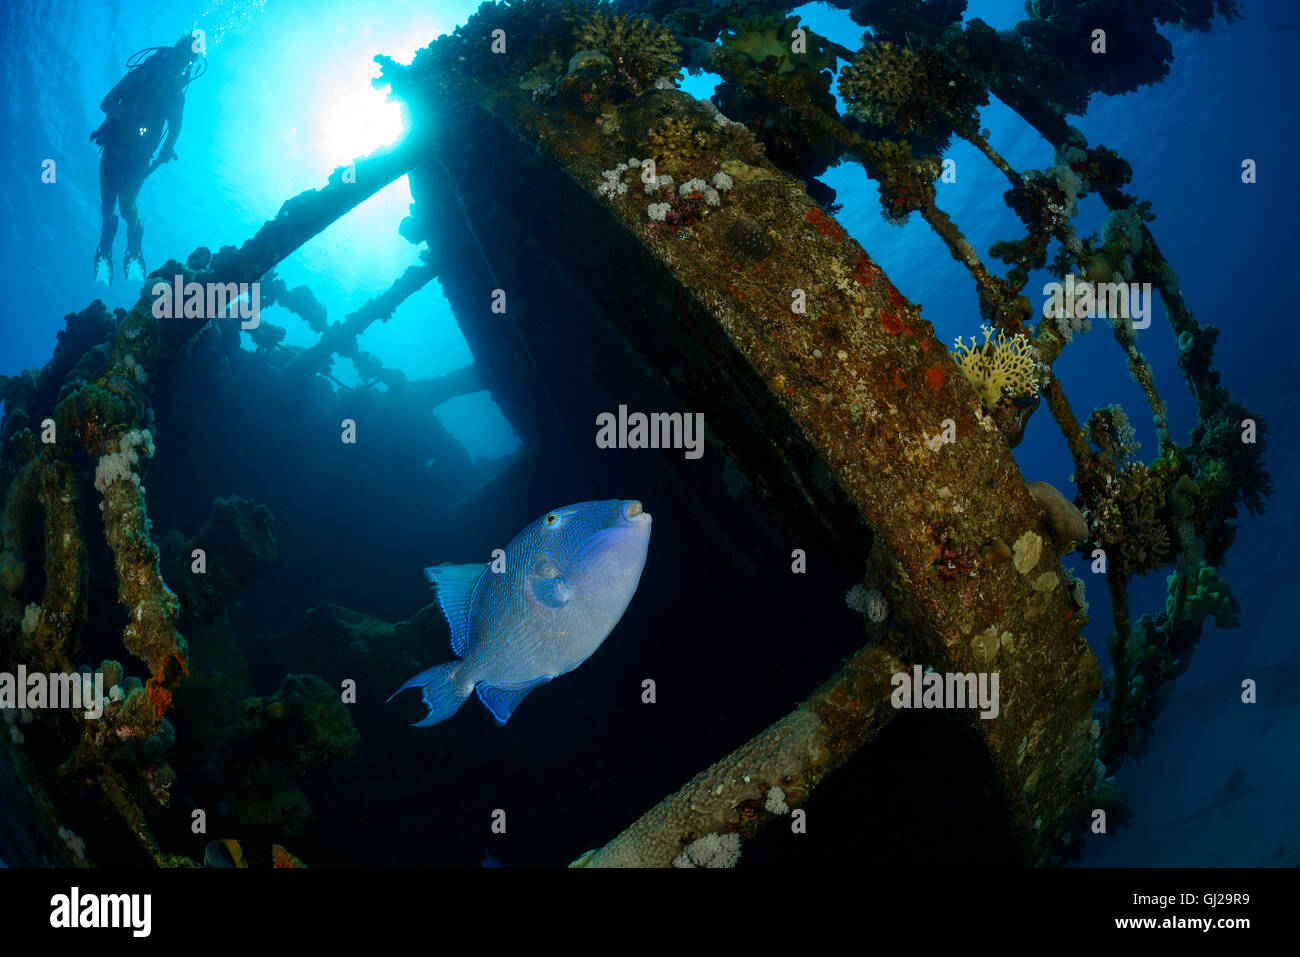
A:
{"points": [[286, 99]]}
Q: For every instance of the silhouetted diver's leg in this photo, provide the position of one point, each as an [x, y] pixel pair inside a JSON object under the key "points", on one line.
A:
{"points": [[107, 200]]}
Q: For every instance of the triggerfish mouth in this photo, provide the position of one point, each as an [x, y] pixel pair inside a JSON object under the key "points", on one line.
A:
{"points": [[563, 585]]}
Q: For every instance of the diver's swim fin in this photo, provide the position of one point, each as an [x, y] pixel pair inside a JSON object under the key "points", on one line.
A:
{"points": [[103, 264], [134, 254], [135, 257], [104, 251]]}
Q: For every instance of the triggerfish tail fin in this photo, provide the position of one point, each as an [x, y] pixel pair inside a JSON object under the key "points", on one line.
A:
{"points": [[439, 691], [454, 587]]}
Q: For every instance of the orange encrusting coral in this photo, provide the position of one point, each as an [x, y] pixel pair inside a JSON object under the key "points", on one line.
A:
{"points": [[825, 224], [160, 696], [864, 270], [282, 858]]}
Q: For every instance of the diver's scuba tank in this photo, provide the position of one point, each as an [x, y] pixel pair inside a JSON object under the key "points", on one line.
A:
{"points": [[152, 57], [147, 61]]}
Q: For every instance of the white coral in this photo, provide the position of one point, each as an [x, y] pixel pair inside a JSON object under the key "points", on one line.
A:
{"points": [[31, 618], [868, 602], [711, 850], [655, 182], [75, 844], [1067, 324], [136, 370], [122, 464], [720, 119], [1125, 226], [657, 211], [697, 187], [776, 801], [613, 184]]}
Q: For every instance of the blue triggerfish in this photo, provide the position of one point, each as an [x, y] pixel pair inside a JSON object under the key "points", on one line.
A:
{"points": [[566, 581]]}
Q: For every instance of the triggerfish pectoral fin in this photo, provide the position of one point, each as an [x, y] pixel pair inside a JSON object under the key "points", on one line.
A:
{"points": [[439, 691], [454, 589], [502, 703], [552, 592]]}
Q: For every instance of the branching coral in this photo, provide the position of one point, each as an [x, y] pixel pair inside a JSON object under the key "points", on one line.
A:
{"points": [[1147, 546], [916, 94], [1221, 438], [1113, 435], [1132, 522], [879, 81], [534, 30], [1046, 203], [677, 143], [906, 182], [641, 50], [998, 367]]}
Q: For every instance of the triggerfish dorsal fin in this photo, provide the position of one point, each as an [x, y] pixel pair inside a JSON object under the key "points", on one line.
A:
{"points": [[454, 587], [502, 703]]}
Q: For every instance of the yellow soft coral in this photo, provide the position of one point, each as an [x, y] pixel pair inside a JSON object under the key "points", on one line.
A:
{"points": [[998, 366]]}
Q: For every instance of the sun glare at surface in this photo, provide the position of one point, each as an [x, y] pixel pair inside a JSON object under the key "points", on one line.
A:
{"points": [[353, 118]]}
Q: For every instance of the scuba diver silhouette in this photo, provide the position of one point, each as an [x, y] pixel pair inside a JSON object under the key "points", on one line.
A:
{"points": [[152, 93]]}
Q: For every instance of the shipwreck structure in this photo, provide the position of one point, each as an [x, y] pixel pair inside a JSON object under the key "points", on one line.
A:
{"points": [[683, 255]]}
